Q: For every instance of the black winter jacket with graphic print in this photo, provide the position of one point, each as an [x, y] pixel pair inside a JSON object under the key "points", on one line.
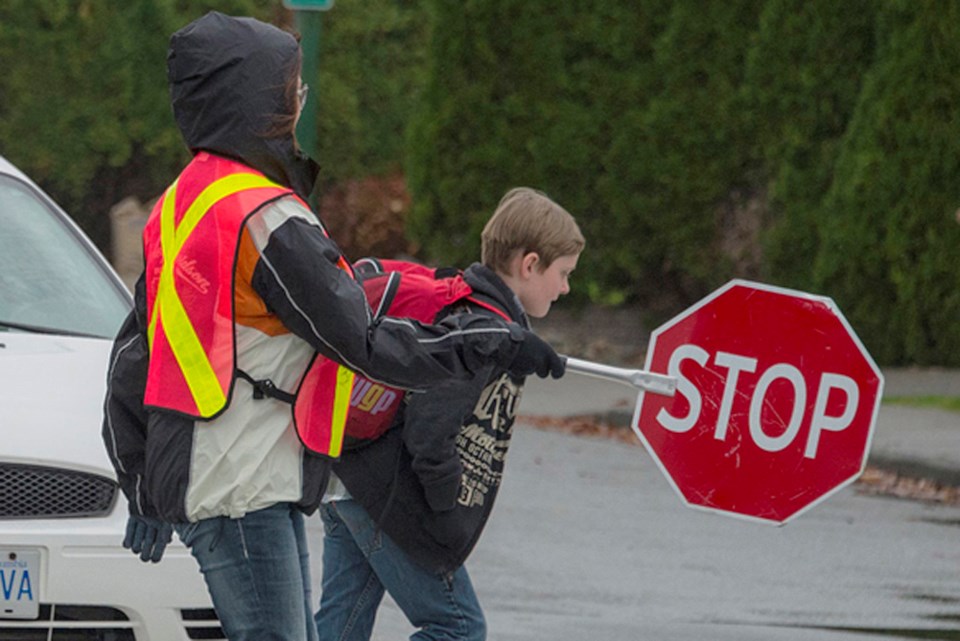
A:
{"points": [[431, 481]]}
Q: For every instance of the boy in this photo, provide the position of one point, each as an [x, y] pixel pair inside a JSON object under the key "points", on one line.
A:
{"points": [[411, 505]]}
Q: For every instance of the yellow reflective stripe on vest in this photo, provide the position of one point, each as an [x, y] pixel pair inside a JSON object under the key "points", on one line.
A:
{"points": [[341, 405], [194, 363]]}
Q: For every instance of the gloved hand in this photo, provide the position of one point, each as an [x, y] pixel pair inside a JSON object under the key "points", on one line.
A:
{"points": [[147, 537], [535, 356]]}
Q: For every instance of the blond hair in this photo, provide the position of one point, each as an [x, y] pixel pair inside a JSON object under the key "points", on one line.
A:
{"points": [[526, 220]]}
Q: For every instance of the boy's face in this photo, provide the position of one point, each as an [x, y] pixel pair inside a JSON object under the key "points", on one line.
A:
{"points": [[539, 288]]}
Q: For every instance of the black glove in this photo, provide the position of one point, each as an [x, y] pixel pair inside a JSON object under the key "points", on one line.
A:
{"points": [[535, 356], [147, 537]]}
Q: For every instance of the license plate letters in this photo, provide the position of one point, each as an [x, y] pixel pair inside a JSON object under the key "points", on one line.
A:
{"points": [[19, 584]]}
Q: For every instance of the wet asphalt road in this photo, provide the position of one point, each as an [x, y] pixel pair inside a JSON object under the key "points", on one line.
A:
{"points": [[590, 542]]}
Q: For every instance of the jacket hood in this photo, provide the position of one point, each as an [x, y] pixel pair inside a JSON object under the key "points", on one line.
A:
{"points": [[228, 81], [485, 281]]}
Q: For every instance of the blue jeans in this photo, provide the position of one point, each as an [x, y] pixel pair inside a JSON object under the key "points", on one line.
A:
{"points": [[360, 562], [257, 571]]}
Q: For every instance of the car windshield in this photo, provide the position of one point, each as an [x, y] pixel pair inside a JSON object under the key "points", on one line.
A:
{"points": [[50, 280]]}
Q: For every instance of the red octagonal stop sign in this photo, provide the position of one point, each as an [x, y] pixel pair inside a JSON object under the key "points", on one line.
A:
{"points": [[775, 406]]}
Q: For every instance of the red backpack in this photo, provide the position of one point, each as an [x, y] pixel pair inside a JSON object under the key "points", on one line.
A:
{"points": [[403, 290]]}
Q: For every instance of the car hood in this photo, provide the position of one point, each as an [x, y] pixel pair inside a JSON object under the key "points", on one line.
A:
{"points": [[51, 400]]}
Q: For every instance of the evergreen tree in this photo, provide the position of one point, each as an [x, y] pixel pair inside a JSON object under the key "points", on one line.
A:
{"points": [[678, 156], [526, 93], [371, 64], [84, 106], [804, 72], [888, 253]]}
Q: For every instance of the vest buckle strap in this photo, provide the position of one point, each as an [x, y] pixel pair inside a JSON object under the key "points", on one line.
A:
{"points": [[266, 388]]}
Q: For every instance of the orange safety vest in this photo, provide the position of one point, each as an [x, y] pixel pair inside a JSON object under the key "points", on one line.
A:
{"points": [[190, 244]]}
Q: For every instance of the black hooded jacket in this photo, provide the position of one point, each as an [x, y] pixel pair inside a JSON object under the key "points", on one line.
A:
{"points": [[431, 481], [230, 85]]}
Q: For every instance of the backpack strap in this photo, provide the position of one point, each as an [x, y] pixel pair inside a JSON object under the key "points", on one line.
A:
{"points": [[446, 272], [381, 289], [389, 293], [368, 266]]}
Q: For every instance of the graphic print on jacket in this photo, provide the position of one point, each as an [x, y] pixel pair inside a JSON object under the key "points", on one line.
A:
{"points": [[484, 439]]}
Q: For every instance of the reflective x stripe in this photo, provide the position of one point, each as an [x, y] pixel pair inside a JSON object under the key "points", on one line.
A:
{"points": [[194, 363]]}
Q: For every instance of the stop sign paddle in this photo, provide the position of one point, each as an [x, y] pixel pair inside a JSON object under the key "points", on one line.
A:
{"points": [[775, 405]]}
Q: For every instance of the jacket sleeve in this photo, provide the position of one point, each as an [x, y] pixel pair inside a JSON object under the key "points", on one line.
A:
{"points": [[431, 423], [124, 418], [298, 278]]}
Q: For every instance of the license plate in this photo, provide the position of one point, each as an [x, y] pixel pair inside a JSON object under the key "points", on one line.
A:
{"points": [[19, 583]]}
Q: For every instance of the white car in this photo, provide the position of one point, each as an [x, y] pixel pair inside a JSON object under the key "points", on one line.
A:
{"points": [[63, 572]]}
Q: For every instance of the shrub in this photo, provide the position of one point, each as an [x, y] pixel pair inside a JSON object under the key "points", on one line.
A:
{"points": [[804, 72], [84, 107], [889, 235]]}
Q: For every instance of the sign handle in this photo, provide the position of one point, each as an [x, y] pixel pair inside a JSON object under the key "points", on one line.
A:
{"points": [[638, 378]]}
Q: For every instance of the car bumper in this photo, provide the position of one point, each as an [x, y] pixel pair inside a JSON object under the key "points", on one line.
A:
{"points": [[92, 588]]}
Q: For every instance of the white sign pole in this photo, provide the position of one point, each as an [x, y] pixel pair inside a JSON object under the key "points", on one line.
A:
{"points": [[638, 378]]}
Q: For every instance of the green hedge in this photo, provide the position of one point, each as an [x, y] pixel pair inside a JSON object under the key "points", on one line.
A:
{"points": [[888, 222], [678, 153], [517, 94], [85, 110], [372, 57], [84, 107], [806, 143], [804, 71]]}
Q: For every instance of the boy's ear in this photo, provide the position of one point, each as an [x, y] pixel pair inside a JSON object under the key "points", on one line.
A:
{"points": [[529, 263]]}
